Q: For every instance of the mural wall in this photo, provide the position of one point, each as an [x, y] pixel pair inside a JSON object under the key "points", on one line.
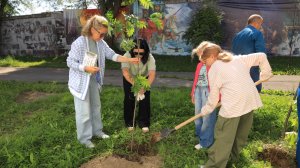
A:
{"points": [[41, 34], [176, 18], [52, 33], [281, 27]]}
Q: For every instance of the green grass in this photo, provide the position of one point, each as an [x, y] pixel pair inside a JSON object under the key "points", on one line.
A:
{"points": [[280, 65], [32, 61], [42, 133]]}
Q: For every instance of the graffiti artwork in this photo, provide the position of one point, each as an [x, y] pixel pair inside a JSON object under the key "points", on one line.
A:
{"points": [[27, 36]]}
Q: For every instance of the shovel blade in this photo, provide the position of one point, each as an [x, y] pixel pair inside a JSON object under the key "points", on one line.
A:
{"points": [[166, 132], [162, 134]]}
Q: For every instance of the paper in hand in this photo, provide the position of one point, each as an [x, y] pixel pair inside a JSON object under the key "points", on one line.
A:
{"points": [[89, 59]]}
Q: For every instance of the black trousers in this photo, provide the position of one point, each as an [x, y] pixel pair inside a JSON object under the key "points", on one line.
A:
{"points": [[143, 115]]}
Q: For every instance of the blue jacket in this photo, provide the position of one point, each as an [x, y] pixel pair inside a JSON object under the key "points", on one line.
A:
{"points": [[249, 40]]}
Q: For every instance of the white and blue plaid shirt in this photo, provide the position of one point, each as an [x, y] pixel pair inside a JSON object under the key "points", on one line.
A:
{"points": [[78, 78]]}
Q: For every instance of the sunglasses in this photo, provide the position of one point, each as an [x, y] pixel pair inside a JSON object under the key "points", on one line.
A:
{"points": [[138, 53], [101, 34]]}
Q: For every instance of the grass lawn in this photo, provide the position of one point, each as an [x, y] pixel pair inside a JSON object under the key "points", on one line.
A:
{"points": [[280, 65], [42, 132]]}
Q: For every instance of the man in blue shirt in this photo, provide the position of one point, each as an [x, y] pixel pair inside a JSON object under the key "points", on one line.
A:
{"points": [[250, 40]]}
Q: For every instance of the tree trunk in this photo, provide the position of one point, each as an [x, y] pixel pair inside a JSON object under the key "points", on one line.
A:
{"points": [[2, 15]]}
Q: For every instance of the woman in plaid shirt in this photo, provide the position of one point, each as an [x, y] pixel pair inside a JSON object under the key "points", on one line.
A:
{"points": [[86, 81]]}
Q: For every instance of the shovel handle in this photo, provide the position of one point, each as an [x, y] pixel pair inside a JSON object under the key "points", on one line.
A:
{"points": [[218, 105], [188, 121]]}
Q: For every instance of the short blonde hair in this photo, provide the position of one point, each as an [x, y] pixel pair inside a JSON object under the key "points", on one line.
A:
{"points": [[216, 50], [201, 46], [95, 21], [254, 18]]}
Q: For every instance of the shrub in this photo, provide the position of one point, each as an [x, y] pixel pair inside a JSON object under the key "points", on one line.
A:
{"points": [[205, 25]]}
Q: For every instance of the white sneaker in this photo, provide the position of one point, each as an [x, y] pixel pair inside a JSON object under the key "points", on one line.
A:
{"points": [[103, 135], [145, 129], [198, 146], [90, 145], [130, 129]]}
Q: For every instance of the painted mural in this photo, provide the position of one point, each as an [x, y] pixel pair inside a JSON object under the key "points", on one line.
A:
{"points": [[176, 18], [52, 33], [42, 35], [281, 27]]}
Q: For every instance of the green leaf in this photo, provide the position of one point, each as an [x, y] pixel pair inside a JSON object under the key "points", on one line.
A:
{"points": [[127, 44], [139, 83], [31, 157], [260, 149], [141, 24], [109, 15], [146, 3], [111, 21], [131, 18], [158, 22], [156, 15], [129, 29], [127, 2], [118, 27]]}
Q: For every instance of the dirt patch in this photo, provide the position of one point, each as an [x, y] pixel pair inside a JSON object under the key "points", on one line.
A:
{"points": [[277, 156], [119, 162], [31, 96], [137, 156]]}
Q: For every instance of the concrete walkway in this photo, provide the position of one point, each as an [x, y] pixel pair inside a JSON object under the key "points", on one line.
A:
{"points": [[114, 77]]}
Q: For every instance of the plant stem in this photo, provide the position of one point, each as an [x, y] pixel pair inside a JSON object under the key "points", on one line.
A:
{"points": [[132, 132]]}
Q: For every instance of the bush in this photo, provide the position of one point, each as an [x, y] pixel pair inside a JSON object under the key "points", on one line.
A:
{"points": [[205, 26]]}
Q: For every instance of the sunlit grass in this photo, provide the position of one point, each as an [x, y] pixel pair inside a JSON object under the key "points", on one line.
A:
{"points": [[42, 133], [11, 61], [280, 65]]}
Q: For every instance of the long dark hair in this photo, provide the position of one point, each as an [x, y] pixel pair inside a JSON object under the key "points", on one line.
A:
{"points": [[143, 45]]}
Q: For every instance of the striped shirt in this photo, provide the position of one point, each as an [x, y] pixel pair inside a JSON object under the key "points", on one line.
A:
{"points": [[232, 80]]}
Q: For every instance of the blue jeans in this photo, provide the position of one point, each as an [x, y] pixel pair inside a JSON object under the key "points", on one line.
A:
{"points": [[204, 125], [88, 114]]}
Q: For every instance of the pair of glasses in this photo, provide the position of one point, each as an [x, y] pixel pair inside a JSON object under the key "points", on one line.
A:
{"points": [[101, 34], [138, 53]]}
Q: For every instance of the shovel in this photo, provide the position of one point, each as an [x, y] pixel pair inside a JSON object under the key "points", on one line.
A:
{"points": [[167, 131]]}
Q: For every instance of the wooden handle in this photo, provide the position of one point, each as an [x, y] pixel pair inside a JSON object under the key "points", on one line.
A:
{"points": [[188, 121], [218, 105]]}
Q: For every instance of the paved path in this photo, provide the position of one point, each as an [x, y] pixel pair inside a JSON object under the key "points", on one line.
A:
{"points": [[114, 77]]}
